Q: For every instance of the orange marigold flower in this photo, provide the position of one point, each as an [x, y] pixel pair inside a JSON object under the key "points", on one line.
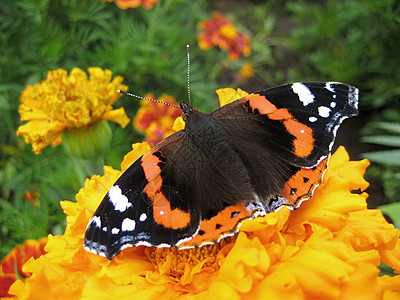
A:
{"points": [[124, 4], [329, 248], [220, 31], [11, 265], [246, 71], [156, 119], [66, 103]]}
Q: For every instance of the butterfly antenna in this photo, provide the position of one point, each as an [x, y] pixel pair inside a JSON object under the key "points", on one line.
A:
{"points": [[144, 98], [188, 71]]}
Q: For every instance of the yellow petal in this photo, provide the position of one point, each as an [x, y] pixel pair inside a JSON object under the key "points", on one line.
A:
{"points": [[362, 284], [219, 290], [179, 124], [246, 264], [40, 133], [138, 150], [277, 285], [229, 95], [118, 116], [391, 287]]}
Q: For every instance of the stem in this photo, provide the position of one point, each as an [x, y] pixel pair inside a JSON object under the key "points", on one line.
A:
{"points": [[88, 167]]}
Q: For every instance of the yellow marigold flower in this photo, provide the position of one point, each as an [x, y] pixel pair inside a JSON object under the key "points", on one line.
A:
{"points": [[124, 4], [329, 248], [11, 265], [66, 103], [220, 31], [156, 119]]}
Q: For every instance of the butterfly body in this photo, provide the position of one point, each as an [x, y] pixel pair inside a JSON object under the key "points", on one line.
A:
{"points": [[246, 159]]}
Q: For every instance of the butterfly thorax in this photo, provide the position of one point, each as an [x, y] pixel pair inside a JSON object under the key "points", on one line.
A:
{"points": [[203, 131]]}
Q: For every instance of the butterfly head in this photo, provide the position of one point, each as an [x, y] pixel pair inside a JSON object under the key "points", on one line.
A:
{"points": [[187, 110]]}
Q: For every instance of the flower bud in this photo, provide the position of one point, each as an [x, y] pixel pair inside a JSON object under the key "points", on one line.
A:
{"points": [[89, 142]]}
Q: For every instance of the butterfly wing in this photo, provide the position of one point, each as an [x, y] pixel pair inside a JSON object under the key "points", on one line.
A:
{"points": [[145, 206], [285, 135]]}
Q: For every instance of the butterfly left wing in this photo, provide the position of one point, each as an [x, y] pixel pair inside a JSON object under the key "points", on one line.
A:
{"points": [[143, 207]]}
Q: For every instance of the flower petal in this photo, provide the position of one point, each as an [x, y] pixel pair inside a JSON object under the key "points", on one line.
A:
{"points": [[118, 116]]}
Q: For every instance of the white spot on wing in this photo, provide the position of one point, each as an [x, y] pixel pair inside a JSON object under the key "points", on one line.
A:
{"points": [[312, 119], [329, 87], [142, 217], [305, 95], [96, 221], [324, 111], [120, 201], [115, 230], [128, 225], [333, 104]]}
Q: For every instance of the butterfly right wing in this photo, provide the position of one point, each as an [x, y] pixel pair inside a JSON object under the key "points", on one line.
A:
{"points": [[285, 135]]}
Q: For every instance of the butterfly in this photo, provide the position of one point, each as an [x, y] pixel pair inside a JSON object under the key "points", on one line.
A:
{"points": [[246, 159]]}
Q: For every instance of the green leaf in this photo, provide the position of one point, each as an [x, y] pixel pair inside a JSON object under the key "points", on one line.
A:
{"points": [[388, 126], [392, 210], [386, 270], [386, 140], [389, 157]]}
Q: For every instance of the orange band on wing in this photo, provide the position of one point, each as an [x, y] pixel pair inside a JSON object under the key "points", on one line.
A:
{"points": [[305, 182], [169, 218], [260, 102], [304, 140], [163, 214], [150, 166], [225, 222], [303, 143]]}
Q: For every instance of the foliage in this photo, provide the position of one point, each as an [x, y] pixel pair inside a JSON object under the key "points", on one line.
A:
{"points": [[351, 41], [388, 172], [392, 210]]}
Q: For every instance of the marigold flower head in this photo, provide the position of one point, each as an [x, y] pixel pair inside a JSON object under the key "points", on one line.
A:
{"points": [[11, 265], [246, 71], [329, 248], [156, 119], [220, 31], [124, 4], [66, 103]]}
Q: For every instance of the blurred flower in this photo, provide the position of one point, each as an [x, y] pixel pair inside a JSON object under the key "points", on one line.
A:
{"points": [[67, 103], [329, 248], [11, 265], [246, 71], [220, 31], [31, 197], [124, 4], [154, 119]]}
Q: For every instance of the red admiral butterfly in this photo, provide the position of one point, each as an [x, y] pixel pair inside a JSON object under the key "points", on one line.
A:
{"points": [[246, 159]]}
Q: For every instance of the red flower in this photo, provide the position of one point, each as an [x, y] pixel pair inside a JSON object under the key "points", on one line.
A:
{"points": [[11, 266], [220, 31], [124, 4], [156, 119]]}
